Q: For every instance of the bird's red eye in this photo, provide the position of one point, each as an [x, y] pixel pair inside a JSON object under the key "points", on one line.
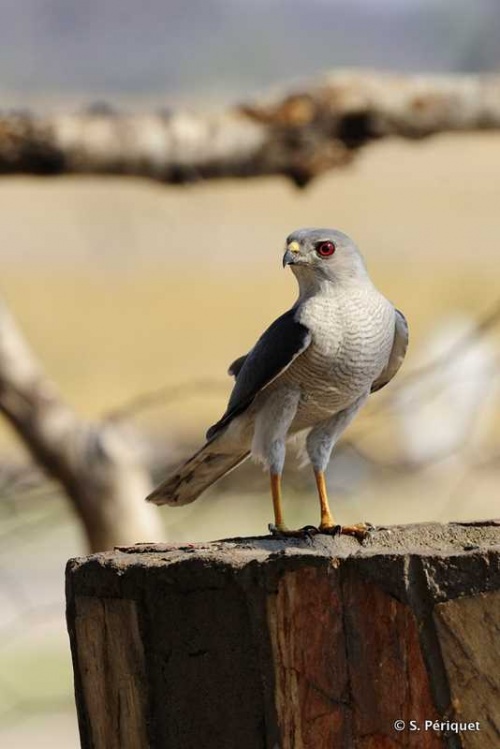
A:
{"points": [[325, 249]]}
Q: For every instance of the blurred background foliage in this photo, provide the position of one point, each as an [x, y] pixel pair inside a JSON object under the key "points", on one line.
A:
{"points": [[125, 287]]}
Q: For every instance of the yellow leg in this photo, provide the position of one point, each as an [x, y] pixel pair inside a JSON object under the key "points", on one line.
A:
{"points": [[277, 504], [327, 521]]}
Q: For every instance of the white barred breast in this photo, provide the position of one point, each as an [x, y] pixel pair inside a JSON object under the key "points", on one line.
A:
{"points": [[353, 332]]}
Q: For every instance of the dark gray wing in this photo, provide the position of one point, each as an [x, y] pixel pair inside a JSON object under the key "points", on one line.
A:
{"points": [[399, 346], [275, 350], [235, 367]]}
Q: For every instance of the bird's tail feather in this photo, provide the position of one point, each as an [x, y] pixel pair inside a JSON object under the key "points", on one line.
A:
{"points": [[199, 472]]}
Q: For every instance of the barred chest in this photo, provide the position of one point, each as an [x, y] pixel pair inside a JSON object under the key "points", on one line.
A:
{"points": [[352, 341]]}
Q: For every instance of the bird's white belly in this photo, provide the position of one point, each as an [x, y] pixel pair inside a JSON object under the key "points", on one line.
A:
{"points": [[351, 346]]}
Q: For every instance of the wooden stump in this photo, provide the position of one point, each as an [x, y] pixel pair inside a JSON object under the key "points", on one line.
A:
{"points": [[314, 643]]}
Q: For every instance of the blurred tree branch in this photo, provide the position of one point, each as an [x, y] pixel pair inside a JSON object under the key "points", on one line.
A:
{"points": [[97, 465], [299, 134]]}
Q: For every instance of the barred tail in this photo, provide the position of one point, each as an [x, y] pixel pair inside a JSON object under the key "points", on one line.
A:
{"points": [[199, 472]]}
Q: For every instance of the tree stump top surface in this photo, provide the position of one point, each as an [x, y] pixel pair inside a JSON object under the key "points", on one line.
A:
{"points": [[386, 555], [421, 539]]}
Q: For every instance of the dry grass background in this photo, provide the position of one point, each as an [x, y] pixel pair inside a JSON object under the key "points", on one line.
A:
{"points": [[124, 286]]}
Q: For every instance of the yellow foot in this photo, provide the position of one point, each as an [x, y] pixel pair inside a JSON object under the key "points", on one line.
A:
{"points": [[360, 530]]}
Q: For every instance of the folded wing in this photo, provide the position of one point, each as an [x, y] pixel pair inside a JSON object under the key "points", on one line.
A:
{"points": [[273, 353], [399, 346]]}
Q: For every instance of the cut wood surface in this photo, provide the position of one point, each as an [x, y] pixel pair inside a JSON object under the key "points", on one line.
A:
{"points": [[299, 132], [310, 643]]}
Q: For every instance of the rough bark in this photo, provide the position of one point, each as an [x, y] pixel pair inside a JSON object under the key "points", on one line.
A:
{"points": [[299, 133], [307, 643], [97, 464]]}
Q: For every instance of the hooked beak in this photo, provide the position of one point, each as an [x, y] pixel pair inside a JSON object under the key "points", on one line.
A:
{"points": [[290, 256]]}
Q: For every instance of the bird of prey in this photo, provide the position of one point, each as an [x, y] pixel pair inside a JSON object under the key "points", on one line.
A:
{"points": [[311, 371]]}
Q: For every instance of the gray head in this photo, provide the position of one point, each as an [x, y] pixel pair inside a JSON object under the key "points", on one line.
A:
{"points": [[323, 255]]}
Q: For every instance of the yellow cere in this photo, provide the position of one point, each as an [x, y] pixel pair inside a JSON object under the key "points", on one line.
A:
{"points": [[294, 247]]}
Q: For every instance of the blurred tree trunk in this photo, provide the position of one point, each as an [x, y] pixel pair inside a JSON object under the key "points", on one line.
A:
{"points": [[98, 466], [299, 134]]}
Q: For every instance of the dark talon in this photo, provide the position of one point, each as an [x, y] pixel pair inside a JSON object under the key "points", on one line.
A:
{"points": [[309, 530], [335, 530]]}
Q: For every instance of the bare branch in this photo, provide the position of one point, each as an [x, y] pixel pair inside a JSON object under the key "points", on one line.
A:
{"points": [[299, 134], [98, 466]]}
